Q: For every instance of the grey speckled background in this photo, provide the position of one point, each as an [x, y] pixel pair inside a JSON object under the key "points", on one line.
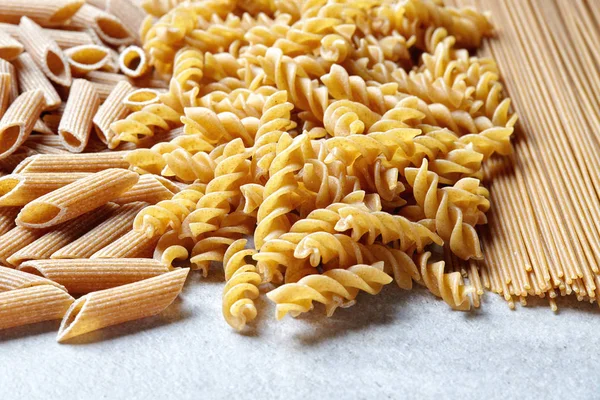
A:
{"points": [[395, 345]]}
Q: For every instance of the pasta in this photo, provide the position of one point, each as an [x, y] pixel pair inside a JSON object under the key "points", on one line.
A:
{"points": [[127, 10], [76, 122], [124, 303], [133, 62], [9, 47], [8, 68], [108, 27], [87, 57], [7, 218], [15, 239], [31, 77], [20, 189], [72, 162], [45, 52], [77, 198], [44, 13], [18, 121], [12, 279], [131, 245], [149, 189], [111, 110], [82, 276]]}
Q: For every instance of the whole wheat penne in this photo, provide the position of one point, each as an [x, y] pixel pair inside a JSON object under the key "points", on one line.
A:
{"points": [[44, 12], [5, 84], [10, 48], [13, 279], [31, 305], [11, 29], [141, 98], [103, 90], [45, 52], [81, 276], [124, 303], [7, 218], [18, 121], [15, 239], [133, 61], [92, 162], [68, 39], [52, 121], [77, 198], [41, 127], [8, 68], [31, 77], [101, 4], [20, 189], [150, 82], [43, 149], [46, 245], [127, 10], [11, 162], [113, 63], [131, 245], [150, 189], [102, 235], [106, 78], [108, 27], [87, 57], [112, 110], [47, 140], [76, 123]]}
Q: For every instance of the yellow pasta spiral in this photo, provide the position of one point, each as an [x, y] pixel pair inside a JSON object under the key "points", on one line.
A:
{"points": [[334, 288], [219, 128], [241, 287], [345, 117], [143, 123]]}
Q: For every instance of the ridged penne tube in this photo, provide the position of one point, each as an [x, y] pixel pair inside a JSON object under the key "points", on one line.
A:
{"points": [[45, 52], [31, 305], [68, 39], [20, 189], [41, 127], [112, 110], [13, 279], [87, 57], [133, 61], [76, 122], [115, 226], [77, 198], [149, 189], [131, 245], [46, 245], [44, 12], [8, 68], [141, 98], [10, 48], [18, 121], [15, 239], [46, 140], [121, 304], [9, 163], [7, 218], [108, 27], [92, 162], [31, 77], [5, 84], [106, 78], [81, 276], [127, 10]]}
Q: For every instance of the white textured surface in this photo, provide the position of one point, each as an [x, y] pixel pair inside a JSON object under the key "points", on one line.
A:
{"points": [[395, 345]]}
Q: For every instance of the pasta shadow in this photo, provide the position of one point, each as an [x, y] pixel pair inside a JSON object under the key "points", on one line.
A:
{"points": [[19, 332]]}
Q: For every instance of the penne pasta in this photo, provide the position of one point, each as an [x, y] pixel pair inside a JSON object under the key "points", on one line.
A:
{"points": [[15, 239], [41, 127], [20, 189], [5, 84], [8, 68], [46, 245], [108, 27], [45, 52], [10, 48], [127, 10], [13, 279], [124, 303], [68, 39], [133, 62], [87, 57], [77, 198], [92, 162], [44, 12], [34, 304], [112, 110], [7, 218], [101, 4], [81, 276], [106, 78], [31, 77], [11, 162], [131, 245], [76, 123], [102, 235], [150, 189], [47, 140], [18, 121], [141, 98]]}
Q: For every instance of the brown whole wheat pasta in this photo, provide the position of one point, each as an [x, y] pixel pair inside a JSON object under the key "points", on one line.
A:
{"points": [[115, 226], [7, 218], [30, 305], [18, 121], [127, 10], [92, 162], [10, 163], [76, 122], [8, 68], [124, 303], [45, 52], [10, 48], [15, 239], [5, 85], [77, 198], [45, 13], [12, 279], [41, 127], [46, 245], [133, 61], [108, 27], [133, 244], [150, 189], [81, 276], [66, 39], [20, 189], [31, 77], [87, 57], [112, 110]]}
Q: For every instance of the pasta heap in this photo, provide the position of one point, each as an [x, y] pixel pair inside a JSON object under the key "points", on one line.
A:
{"points": [[315, 148]]}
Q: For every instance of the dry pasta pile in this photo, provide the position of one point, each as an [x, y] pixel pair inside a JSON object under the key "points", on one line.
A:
{"points": [[349, 140]]}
